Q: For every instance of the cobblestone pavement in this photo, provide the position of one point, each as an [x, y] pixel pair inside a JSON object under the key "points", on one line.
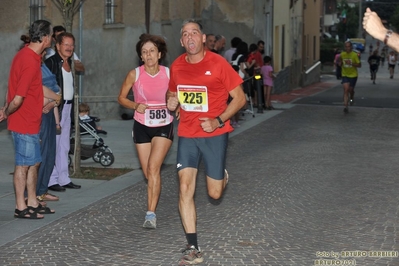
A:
{"points": [[308, 180]]}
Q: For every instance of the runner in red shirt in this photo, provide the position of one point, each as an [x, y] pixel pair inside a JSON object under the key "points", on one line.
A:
{"points": [[200, 82]]}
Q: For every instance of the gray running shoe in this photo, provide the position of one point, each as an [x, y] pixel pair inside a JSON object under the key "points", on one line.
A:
{"points": [[150, 221], [191, 256]]}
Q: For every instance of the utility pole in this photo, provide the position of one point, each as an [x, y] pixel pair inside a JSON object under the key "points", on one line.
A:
{"points": [[360, 19]]}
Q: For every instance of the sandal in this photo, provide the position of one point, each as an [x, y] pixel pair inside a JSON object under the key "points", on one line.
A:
{"points": [[48, 197], [26, 214], [41, 209]]}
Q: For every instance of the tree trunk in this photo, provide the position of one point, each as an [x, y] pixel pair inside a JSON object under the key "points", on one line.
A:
{"points": [[68, 9]]}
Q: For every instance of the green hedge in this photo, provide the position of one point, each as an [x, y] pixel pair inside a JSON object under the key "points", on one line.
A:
{"points": [[327, 49]]}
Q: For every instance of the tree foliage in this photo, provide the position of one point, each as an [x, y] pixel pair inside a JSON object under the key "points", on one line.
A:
{"points": [[68, 9], [394, 21], [348, 27], [328, 48]]}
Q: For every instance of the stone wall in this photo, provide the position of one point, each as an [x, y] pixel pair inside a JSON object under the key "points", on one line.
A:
{"points": [[282, 81], [296, 74], [312, 75]]}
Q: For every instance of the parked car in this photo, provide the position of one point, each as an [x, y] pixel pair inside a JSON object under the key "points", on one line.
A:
{"points": [[358, 46]]}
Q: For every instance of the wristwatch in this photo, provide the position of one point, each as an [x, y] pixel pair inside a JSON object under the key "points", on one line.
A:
{"points": [[387, 35], [221, 123]]}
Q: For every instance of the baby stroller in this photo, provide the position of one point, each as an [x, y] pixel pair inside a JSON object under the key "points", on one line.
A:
{"points": [[100, 152]]}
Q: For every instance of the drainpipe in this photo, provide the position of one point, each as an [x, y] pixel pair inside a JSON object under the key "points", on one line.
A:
{"points": [[272, 29], [80, 46], [147, 15], [360, 19]]}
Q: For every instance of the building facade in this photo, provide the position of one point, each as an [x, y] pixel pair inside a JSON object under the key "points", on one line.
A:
{"points": [[311, 42], [107, 31]]}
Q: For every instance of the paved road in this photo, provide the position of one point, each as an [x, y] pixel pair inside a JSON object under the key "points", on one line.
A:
{"points": [[305, 181], [384, 94]]}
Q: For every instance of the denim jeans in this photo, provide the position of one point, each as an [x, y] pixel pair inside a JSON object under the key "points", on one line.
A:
{"points": [[48, 144]]}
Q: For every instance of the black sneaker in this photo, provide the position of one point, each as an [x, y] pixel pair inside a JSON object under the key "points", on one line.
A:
{"points": [[351, 102], [346, 110]]}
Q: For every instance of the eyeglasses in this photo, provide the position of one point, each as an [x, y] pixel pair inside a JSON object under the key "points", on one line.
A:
{"points": [[68, 45]]}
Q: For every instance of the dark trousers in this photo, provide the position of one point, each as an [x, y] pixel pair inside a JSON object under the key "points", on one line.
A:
{"points": [[48, 144], [338, 71]]}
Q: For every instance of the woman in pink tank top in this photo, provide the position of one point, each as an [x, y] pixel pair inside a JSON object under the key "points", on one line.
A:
{"points": [[153, 124]]}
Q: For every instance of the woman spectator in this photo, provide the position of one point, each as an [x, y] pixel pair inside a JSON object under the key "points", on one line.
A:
{"points": [[239, 63], [253, 66], [337, 64]]}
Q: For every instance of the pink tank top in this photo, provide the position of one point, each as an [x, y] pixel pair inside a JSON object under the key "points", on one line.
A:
{"points": [[151, 90]]}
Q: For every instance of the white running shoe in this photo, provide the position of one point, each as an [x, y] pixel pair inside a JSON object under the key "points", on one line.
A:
{"points": [[150, 221]]}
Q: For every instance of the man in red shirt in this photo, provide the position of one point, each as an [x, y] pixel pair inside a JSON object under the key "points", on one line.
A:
{"points": [[201, 82], [261, 47], [24, 112], [255, 57], [255, 62]]}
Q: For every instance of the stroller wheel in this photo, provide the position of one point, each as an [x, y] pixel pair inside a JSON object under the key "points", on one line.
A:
{"points": [[107, 159], [97, 156]]}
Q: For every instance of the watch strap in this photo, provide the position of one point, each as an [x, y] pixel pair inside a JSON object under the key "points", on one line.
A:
{"points": [[221, 123]]}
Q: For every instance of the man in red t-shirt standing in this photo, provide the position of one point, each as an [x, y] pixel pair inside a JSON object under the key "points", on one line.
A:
{"points": [[255, 62], [201, 82], [24, 112]]}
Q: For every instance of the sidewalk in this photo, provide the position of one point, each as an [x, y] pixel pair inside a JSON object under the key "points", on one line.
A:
{"points": [[327, 81], [120, 141]]}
